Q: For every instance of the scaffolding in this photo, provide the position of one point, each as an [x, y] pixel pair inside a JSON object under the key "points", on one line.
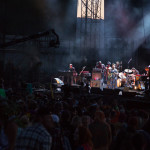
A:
{"points": [[90, 23]]}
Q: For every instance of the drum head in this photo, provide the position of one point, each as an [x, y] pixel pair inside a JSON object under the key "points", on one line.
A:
{"points": [[122, 76]]}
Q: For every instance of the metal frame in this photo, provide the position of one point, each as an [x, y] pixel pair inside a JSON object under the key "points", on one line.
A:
{"points": [[90, 19]]}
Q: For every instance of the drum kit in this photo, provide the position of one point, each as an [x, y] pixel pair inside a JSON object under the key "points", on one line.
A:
{"points": [[121, 80], [125, 77], [128, 78]]}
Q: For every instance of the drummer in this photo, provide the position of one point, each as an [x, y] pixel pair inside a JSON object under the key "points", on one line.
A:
{"points": [[127, 72], [135, 71], [129, 76]]}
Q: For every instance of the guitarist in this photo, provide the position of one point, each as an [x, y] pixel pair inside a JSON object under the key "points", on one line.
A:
{"points": [[108, 74], [114, 76]]}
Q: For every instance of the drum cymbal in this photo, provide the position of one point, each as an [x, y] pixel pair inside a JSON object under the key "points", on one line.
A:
{"points": [[128, 71]]}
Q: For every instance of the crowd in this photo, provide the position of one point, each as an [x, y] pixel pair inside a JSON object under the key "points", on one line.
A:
{"points": [[74, 122]]}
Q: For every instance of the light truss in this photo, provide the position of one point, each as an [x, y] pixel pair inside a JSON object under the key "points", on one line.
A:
{"points": [[90, 23]]}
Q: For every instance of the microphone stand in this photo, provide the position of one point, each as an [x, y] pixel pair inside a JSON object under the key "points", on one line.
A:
{"points": [[82, 70], [128, 72]]}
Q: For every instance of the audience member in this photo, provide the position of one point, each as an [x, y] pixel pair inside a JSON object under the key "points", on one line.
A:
{"points": [[37, 136]]}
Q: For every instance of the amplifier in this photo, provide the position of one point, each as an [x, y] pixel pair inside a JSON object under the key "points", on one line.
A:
{"points": [[95, 83], [96, 75]]}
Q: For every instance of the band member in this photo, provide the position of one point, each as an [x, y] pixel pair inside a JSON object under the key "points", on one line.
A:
{"points": [[103, 69], [114, 76], [147, 80], [99, 65], [147, 70], [119, 66], [73, 77], [108, 69], [108, 74], [71, 68], [135, 71], [103, 73]]}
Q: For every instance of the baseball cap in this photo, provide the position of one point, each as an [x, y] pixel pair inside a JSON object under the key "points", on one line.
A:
{"points": [[55, 118]]}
